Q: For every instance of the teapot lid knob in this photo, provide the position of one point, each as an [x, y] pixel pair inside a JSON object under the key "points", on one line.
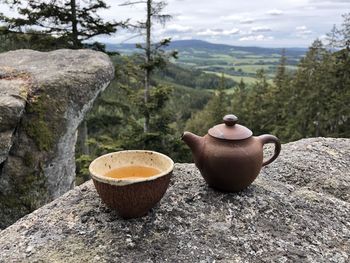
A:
{"points": [[230, 129], [230, 119]]}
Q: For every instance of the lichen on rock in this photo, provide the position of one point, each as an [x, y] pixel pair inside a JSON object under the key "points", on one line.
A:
{"points": [[43, 98], [14, 88], [291, 213]]}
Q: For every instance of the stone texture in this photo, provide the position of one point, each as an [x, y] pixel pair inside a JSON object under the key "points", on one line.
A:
{"points": [[297, 210], [43, 98], [14, 89]]}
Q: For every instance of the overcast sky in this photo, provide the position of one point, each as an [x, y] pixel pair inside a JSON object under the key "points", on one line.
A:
{"points": [[272, 23], [277, 23]]}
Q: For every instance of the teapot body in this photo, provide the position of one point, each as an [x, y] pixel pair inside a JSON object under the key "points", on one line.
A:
{"points": [[229, 157], [230, 166]]}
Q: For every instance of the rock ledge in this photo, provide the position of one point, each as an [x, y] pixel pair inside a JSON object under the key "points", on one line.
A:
{"points": [[298, 210], [43, 98]]}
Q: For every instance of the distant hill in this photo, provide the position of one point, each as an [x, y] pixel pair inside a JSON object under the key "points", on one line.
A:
{"points": [[236, 62], [211, 47], [203, 45]]}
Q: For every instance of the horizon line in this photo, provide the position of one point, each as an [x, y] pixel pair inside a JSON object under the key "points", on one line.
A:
{"points": [[206, 41]]}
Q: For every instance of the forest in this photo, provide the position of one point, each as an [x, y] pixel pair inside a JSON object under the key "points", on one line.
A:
{"points": [[152, 100]]}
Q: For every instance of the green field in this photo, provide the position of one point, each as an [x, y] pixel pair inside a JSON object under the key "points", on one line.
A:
{"points": [[234, 61], [247, 80], [237, 68]]}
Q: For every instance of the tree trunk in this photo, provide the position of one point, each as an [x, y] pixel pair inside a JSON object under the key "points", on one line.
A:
{"points": [[148, 60], [75, 38]]}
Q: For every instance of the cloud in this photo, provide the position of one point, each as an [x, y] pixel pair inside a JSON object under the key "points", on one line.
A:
{"points": [[184, 38], [242, 18], [184, 17], [175, 28], [256, 38], [300, 28], [327, 1], [247, 21], [208, 32], [328, 5], [275, 12], [323, 37], [315, 17], [231, 17], [218, 32], [303, 31], [261, 29], [233, 31]]}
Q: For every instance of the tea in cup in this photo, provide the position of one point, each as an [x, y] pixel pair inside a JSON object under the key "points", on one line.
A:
{"points": [[131, 182]]}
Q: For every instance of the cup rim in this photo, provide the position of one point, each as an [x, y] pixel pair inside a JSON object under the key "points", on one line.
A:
{"points": [[122, 182]]}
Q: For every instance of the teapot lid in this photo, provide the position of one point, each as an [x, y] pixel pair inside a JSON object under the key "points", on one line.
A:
{"points": [[230, 130]]}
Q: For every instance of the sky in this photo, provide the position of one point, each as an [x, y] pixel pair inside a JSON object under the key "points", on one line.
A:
{"points": [[273, 23]]}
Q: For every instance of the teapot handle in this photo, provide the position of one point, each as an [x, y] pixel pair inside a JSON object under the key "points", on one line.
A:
{"points": [[267, 138]]}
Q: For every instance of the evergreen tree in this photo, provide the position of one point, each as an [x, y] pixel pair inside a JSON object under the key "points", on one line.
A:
{"points": [[333, 38], [257, 115], [153, 53], [310, 89], [239, 101], [339, 110], [69, 21], [242, 85], [31, 40], [213, 112], [345, 31], [340, 37], [278, 97], [281, 74]]}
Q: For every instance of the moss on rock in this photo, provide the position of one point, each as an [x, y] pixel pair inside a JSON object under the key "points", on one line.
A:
{"points": [[27, 194], [43, 123], [55, 90], [279, 218]]}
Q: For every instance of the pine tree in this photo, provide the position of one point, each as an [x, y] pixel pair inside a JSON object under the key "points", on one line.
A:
{"points": [[239, 100], [345, 31], [339, 109], [31, 40], [333, 38], [72, 22], [154, 54], [212, 114], [311, 86], [281, 74], [278, 97], [340, 37], [257, 117]]}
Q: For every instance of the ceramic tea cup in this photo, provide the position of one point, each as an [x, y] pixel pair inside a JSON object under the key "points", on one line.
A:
{"points": [[131, 182]]}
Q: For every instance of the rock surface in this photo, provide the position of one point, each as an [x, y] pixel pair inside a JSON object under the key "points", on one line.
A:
{"points": [[14, 89], [298, 210], [43, 98]]}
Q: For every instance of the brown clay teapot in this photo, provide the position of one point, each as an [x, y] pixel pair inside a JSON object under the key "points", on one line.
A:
{"points": [[229, 157]]}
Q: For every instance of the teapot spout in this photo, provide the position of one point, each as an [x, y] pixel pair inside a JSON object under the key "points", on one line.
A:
{"points": [[193, 141]]}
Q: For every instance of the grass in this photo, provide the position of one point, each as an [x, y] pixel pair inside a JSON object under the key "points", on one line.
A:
{"points": [[253, 68], [247, 80], [248, 63]]}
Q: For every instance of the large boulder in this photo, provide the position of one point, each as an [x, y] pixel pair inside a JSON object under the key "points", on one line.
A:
{"points": [[298, 210], [43, 98], [14, 87]]}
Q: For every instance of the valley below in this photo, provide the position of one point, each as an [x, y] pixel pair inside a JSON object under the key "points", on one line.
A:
{"points": [[235, 62]]}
